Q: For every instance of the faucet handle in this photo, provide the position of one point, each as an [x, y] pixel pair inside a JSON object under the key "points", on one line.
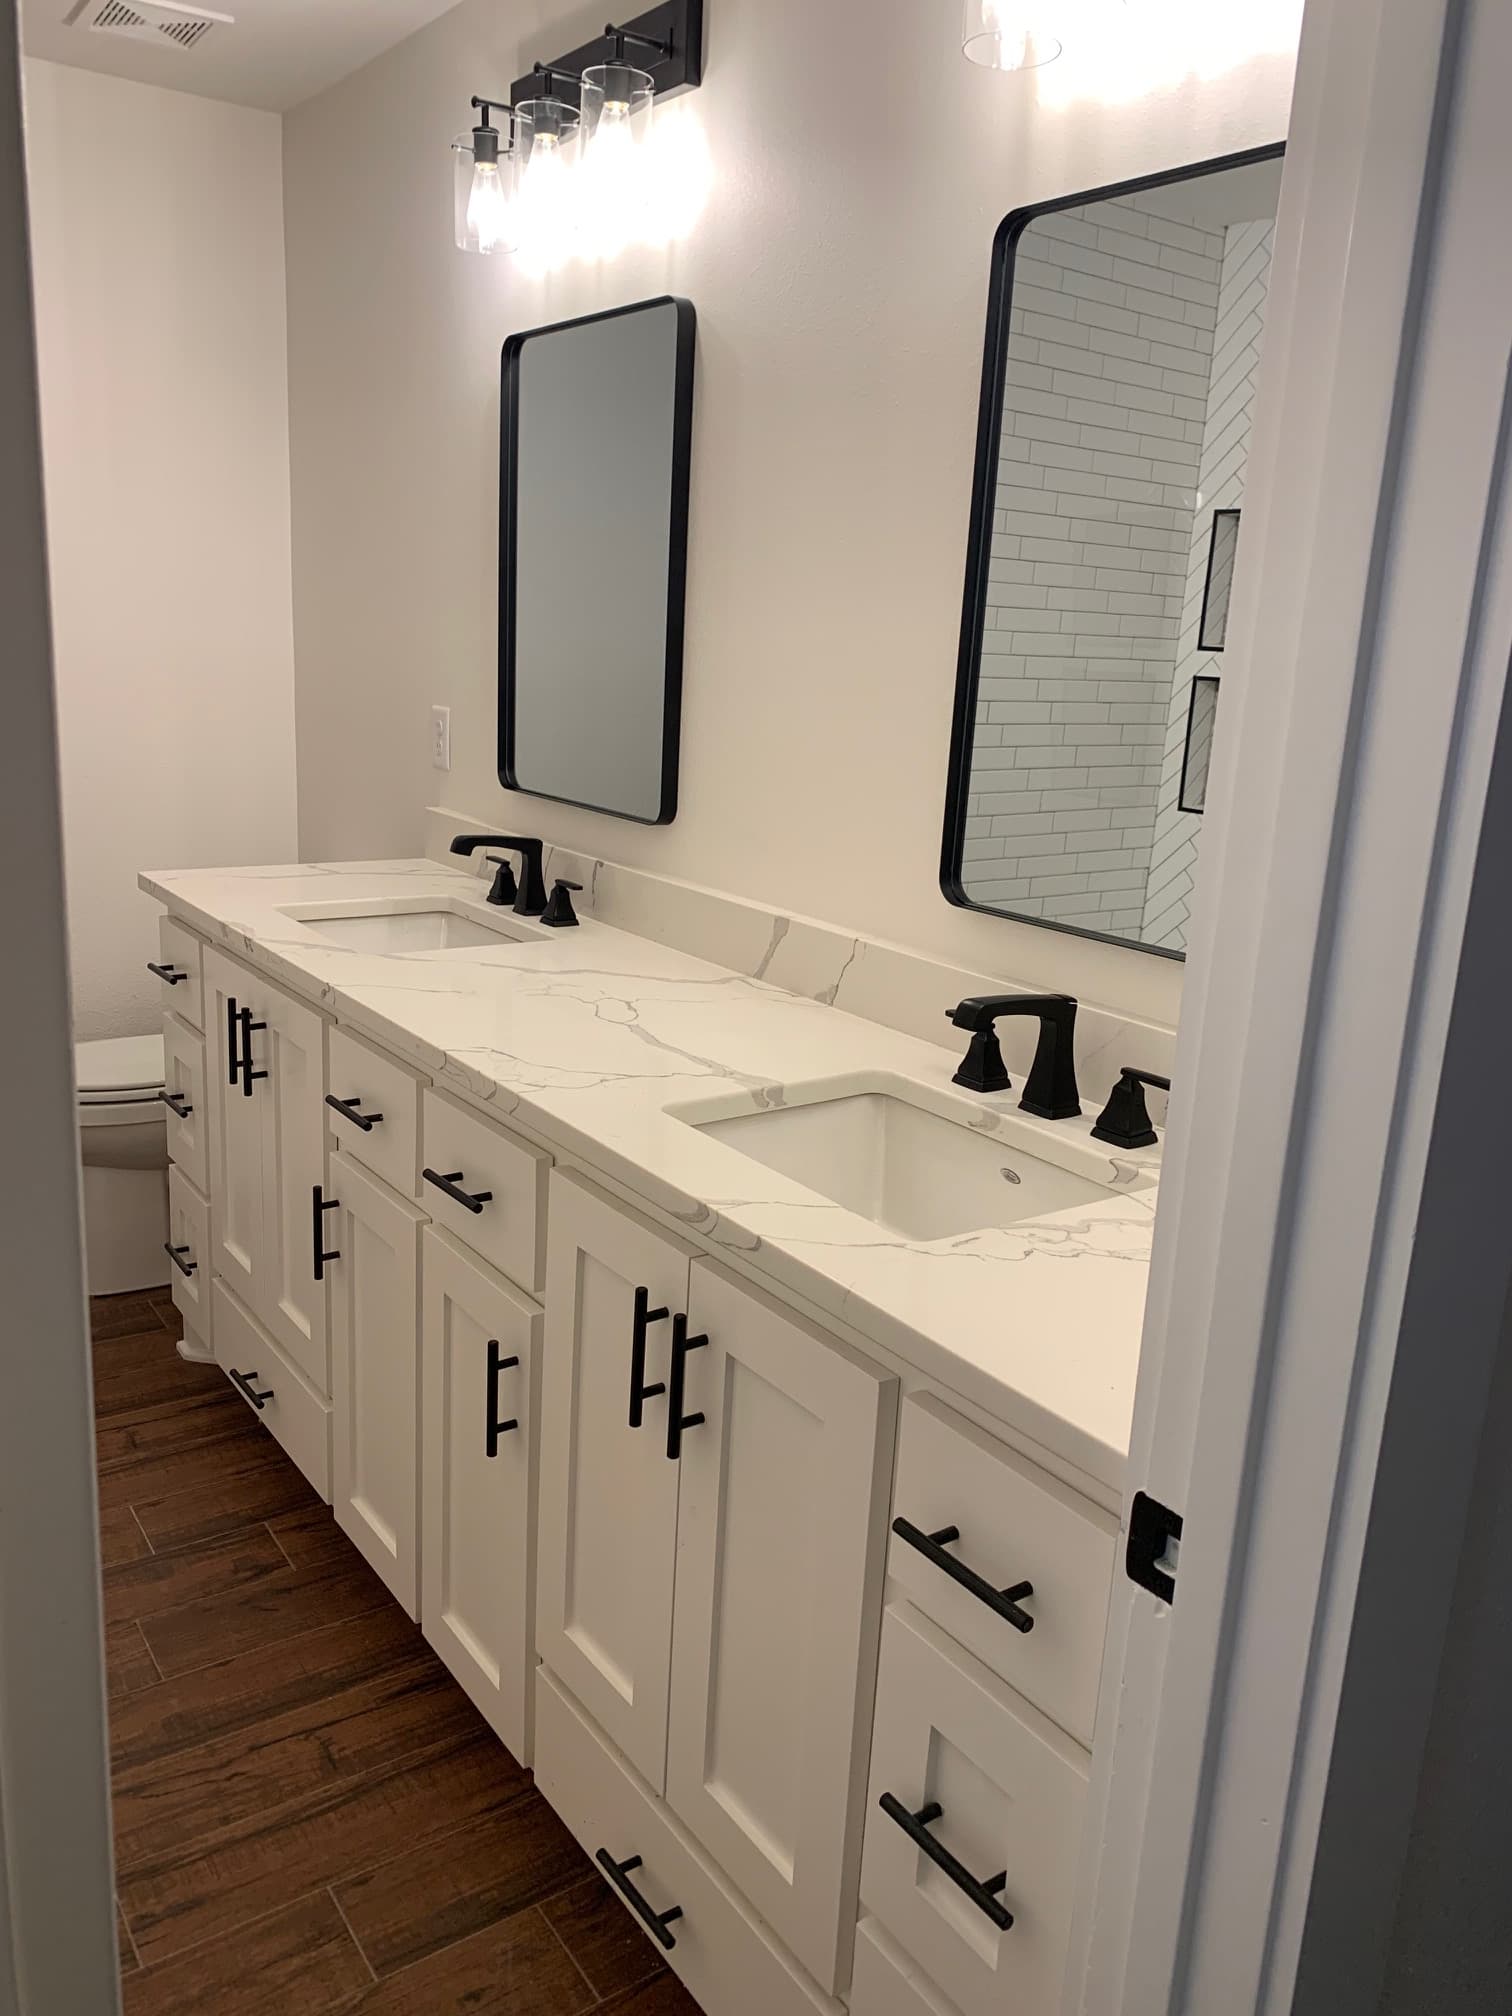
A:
{"points": [[504, 888], [559, 908], [1125, 1121]]}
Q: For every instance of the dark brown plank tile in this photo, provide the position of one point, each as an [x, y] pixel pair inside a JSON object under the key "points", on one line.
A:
{"points": [[439, 1894], [121, 1539], [147, 1586], [122, 1315], [129, 1666], [172, 1424], [206, 1510], [282, 1603], [513, 1969], [602, 1937], [139, 1371], [262, 1689], [179, 1901], [297, 1962], [309, 1536], [167, 1310], [663, 1995], [240, 1449], [167, 1806], [125, 1951]]}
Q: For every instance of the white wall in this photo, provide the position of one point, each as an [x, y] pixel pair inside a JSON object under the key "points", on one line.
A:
{"points": [[157, 226], [861, 167]]}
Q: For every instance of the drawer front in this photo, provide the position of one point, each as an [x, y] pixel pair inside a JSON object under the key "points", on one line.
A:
{"points": [[290, 1407], [727, 1964], [180, 954], [189, 1236], [481, 1160], [887, 1983], [189, 1115], [1000, 1791], [1014, 1524], [380, 1091]]}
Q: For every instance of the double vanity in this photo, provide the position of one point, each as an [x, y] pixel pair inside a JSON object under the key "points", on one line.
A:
{"points": [[739, 1405]]}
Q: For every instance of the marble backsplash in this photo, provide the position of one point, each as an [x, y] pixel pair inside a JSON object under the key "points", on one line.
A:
{"points": [[885, 983]]}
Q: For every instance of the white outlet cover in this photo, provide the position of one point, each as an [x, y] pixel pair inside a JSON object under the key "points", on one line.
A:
{"points": [[441, 738]]}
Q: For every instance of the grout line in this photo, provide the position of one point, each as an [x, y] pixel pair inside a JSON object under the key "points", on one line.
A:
{"points": [[221, 1938], [130, 1935], [361, 1949], [597, 1998], [268, 1523], [150, 1653], [151, 1550]]}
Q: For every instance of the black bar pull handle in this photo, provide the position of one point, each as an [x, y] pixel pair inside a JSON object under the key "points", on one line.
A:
{"points": [[984, 1894], [321, 1204], [470, 1200], [247, 1073], [640, 1392], [170, 972], [347, 1108], [677, 1421], [233, 1023], [176, 1103], [176, 1255], [655, 1922], [497, 1363], [244, 1382], [932, 1546]]}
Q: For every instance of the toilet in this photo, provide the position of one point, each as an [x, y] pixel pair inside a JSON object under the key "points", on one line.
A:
{"points": [[123, 1144]]}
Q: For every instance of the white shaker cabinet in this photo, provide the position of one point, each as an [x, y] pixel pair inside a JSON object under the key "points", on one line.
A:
{"points": [[372, 1259], [781, 1530], [268, 1155], [480, 1348], [608, 1495]]}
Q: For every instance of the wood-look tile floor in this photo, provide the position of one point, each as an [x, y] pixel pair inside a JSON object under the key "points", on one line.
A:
{"points": [[311, 1819]]}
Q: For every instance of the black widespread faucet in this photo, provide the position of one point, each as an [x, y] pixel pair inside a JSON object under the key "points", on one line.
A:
{"points": [[1050, 1089], [530, 900]]}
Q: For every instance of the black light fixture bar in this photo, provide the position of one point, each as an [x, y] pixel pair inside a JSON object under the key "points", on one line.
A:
{"points": [[667, 41]]}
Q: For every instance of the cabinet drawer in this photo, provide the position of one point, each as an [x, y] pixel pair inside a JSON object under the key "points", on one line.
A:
{"points": [[887, 1983], [482, 1161], [1000, 1792], [189, 1236], [730, 1968], [290, 1408], [1014, 1523], [381, 1092], [180, 954], [189, 1109]]}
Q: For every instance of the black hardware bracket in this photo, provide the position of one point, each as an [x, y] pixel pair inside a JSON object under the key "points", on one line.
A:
{"points": [[669, 37], [1154, 1536]]}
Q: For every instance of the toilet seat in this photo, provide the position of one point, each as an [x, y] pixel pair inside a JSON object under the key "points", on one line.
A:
{"points": [[117, 1077]]}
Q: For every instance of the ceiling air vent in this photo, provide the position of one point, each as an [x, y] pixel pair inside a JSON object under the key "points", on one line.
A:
{"points": [[147, 20]]}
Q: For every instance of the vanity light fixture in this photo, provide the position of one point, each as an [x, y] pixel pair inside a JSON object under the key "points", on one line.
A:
{"points": [[1009, 34], [485, 210], [546, 139]]}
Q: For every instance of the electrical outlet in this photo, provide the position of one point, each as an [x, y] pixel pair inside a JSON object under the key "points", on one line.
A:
{"points": [[441, 738]]}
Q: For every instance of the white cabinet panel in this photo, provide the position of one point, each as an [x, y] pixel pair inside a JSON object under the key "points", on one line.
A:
{"points": [[236, 1133], [291, 1049], [608, 1495], [1000, 1791], [380, 1124], [480, 1347], [185, 1102], [283, 1400], [375, 1367], [886, 1982], [1012, 1523], [179, 967], [189, 1237], [780, 1546]]}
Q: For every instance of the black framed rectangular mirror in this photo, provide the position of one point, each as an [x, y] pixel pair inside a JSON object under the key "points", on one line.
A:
{"points": [[596, 428], [1124, 335]]}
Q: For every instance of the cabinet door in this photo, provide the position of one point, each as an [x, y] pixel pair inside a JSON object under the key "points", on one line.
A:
{"points": [[781, 1539], [375, 1367], [236, 1134], [479, 1346], [608, 1505], [290, 1100]]}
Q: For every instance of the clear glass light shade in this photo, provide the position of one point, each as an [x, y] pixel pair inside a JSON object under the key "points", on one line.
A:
{"points": [[616, 100], [1010, 34], [483, 196], [547, 194]]}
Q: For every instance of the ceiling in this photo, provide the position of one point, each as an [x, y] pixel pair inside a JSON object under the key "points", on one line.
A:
{"points": [[276, 54]]}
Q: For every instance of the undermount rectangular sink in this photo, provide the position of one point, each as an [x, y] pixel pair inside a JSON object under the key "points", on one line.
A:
{"points": [[434, 926], [913, 1172]]}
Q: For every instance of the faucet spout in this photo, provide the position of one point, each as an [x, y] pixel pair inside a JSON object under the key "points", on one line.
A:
{"points": [[1050, 1091]]}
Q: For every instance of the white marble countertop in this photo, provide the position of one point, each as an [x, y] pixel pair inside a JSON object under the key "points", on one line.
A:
{"points": [[591, 1036]]}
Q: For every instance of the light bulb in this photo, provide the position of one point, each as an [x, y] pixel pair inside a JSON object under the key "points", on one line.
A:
{"points": [[488, 208], [546, 195]]}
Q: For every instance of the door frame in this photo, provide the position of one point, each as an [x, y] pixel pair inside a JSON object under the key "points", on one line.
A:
{"points": [[1332, 1175]]}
